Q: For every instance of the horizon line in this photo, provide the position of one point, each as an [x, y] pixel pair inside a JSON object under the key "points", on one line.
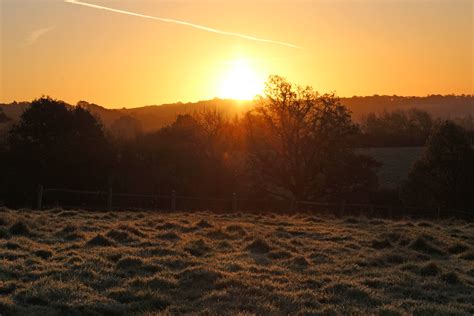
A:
{"points": [[235, 100]]}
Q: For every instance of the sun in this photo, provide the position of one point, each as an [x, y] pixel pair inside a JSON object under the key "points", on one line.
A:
{"points": [[240, 81]]}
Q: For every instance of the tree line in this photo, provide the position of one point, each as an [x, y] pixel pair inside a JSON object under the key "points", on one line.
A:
{"points": [[296, 144], [404, 128]]}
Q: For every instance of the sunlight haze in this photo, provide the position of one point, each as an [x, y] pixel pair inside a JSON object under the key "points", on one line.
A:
{"points": [[74, 52]]}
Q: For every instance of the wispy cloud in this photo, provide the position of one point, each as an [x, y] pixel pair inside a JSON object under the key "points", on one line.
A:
{"points": [[200, 27], [36, 34]]}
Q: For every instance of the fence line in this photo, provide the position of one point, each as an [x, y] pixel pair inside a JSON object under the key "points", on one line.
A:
{"points": [[141, 195], [106, 199], [72, 191], [438, 211]]}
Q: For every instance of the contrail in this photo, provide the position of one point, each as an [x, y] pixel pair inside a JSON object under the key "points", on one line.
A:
{"points": [[36, 34], [200, 27]]}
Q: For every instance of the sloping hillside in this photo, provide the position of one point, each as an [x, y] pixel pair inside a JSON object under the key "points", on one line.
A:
{"points": [[153, 117]]}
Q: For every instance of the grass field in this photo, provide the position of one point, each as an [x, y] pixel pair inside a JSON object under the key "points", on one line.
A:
{"points": [[77, 262], [396, 163]]}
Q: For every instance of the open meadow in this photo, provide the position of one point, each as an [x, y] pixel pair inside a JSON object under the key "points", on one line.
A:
{"points": [[113, 263], [395, 162]]}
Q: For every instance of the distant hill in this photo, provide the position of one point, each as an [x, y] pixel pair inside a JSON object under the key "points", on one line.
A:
{"points": [[439, 106], [153, 117]]}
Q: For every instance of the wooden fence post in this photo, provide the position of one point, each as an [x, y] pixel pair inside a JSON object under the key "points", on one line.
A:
{"points": [[234, 202], [293, 205], [173, 200], [343, 208], [438, 214], [109, 199], [39, 201], [157, 201]]}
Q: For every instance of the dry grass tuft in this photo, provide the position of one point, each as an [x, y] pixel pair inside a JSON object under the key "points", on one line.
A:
{"points": [[381, 244], [4, 233], [376, 222], [458, 248], [120, 236], [314, 219], [57, 294], [132, 229], [351, 220], [431, 269], [159, 283], [168, 226], [67, 214], [20, 228], [68, 230], [4, 221], [12, 245], [198, 248], [279, 255], [422, 245], [468, 256], [99, 241], [204, 224], [424, 224], [130, 263], [198, 278], [451, 278], [236, 229], [337, 292], [258, 246], [43, 253], [225, 246], [218, 234], [300, 262], [70, 233], [169, 236]]}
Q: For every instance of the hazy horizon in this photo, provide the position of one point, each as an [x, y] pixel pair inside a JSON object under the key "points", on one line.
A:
{"points": [[115, 107]]}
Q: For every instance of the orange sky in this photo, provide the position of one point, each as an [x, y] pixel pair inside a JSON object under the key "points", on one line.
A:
{"points": [[72, 52]]}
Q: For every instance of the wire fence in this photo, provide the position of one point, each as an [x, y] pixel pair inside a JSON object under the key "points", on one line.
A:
{"points": [[109, 200]]}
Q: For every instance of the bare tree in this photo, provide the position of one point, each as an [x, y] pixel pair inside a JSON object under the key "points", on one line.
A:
{"points": [[298, 139]]}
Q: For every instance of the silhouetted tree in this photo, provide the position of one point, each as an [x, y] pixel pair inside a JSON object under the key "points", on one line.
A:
{"points": [[126, 127], [56, 145], [3, 164], [3, 117], [300, 144], [219, 145], [444, 176], [396, 128], [187, 156]]}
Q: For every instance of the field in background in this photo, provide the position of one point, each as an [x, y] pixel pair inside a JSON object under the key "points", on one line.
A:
{"points": [[61, 262], [396, 162]]}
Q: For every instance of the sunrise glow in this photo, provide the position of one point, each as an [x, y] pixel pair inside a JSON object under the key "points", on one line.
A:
{"points": [[130, 53], [240, 81]]}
